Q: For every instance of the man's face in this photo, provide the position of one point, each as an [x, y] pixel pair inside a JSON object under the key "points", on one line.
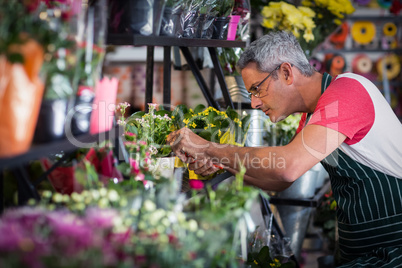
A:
{"points": [[266, 92]]}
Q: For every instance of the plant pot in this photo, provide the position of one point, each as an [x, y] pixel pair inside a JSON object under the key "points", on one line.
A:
{"points": [[21, 93], [170, 24], [81, 113], [164, 166], [51, 121], [232, 29], [135, 16], [221, 25]]}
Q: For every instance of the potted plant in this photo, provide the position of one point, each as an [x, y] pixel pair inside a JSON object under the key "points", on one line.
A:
{"points": [[225, 127], [25, 39], [170, 24], [59, 69], [221, 23]]}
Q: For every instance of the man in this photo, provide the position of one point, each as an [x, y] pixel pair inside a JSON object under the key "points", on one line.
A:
{"points": [[352, 131]]}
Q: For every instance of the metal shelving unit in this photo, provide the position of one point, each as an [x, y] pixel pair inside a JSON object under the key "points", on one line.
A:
{"points": [[183, 43]]}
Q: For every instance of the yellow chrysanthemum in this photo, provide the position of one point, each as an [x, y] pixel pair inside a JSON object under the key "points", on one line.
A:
{"points": [[337, 21], [308, 35], [306, 11]]}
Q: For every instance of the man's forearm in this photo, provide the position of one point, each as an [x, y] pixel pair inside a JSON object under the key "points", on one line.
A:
{"points": [[264, 183], [264, 164]]}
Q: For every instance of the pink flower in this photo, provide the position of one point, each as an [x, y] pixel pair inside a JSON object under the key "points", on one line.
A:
{"points": [[135, 166], [196, 184]]}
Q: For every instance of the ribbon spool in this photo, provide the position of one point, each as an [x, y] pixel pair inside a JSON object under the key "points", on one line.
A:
{"points": [[363, 32], [362, 64], [386, 4], [336, 64], [388, 42], [389, 29], [339, 37], [315, 63], [392, 66]]}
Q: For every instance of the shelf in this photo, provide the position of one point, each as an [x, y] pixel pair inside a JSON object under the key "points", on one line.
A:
{"points": [[361, 50], [375, 18], [142, 40], [65, 145], [303, 202]]}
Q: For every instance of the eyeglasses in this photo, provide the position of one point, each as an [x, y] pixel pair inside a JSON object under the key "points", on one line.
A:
{"points": [[254, 89]]}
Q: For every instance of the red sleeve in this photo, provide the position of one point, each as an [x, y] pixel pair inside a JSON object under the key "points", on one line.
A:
{"points": [[346, 107], [301, 123]]}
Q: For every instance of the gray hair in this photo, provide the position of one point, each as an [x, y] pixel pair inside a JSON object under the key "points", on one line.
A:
{"points": [[273, 49]]}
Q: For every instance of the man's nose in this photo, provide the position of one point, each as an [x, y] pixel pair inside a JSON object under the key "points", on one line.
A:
{"points": [[255, 102]]}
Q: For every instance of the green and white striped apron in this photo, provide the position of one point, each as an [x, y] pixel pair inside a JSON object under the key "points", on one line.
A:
{"points": [[369, 211]]}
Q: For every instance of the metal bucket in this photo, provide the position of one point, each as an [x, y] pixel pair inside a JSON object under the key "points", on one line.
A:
{"points": [[256, 131], [295, 218]]}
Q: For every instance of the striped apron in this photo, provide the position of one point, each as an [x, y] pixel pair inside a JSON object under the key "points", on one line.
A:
{"points": [[369, 211]]}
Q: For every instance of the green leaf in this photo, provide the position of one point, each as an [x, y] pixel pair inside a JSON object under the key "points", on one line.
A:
{"points": [[199, 108], [263, 255], [138, 114]]}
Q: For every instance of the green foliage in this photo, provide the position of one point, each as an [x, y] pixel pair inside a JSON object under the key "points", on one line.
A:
{"points": [[18, 24]]}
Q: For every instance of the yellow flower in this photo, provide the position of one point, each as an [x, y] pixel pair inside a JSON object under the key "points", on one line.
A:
{"points": [[194, 125], [212, 125], [307, 3], [308, 35], [337, 21], [306, 11], [255, 262], [172, 116], [219, 133]]}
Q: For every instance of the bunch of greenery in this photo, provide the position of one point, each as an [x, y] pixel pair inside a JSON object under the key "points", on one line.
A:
{"points": [[152, 127], [21, 21], [213, 125]]}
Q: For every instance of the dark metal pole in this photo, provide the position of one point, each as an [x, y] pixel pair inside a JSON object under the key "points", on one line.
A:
{"points": [[149, 76], [166, 77], [200, 80], [221, 77]]}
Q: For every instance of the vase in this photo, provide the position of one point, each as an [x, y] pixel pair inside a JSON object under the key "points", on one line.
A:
{"points": [[51, 121], [164, 167], [145, 16], [21, 93], [232, 29], [221, 25]]}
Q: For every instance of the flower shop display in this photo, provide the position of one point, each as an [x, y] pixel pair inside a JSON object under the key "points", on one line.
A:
{"points": [[125, 225], [311, 22]]}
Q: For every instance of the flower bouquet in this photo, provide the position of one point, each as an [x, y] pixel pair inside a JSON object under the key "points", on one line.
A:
{"points": [[311, 22]]}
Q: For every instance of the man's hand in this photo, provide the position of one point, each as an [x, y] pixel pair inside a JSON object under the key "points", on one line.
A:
{"points": [[190, 148]]}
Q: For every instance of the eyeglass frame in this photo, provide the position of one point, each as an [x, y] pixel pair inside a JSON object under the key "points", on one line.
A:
{"points": [[255, 88]]}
